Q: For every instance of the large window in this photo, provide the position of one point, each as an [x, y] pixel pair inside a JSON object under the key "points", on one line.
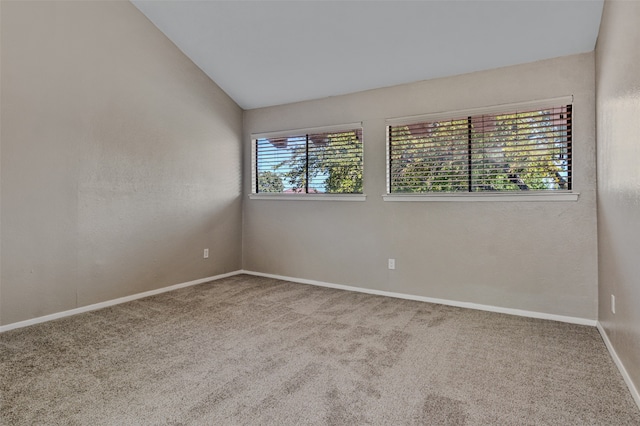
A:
{"points": [[324, 161], [527, 149]]}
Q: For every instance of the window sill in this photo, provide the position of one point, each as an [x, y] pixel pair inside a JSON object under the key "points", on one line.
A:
{"points": [[309, 197], [474, 197]]}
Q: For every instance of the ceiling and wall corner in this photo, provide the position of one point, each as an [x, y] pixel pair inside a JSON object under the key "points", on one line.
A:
{"points": [[265, 53]]}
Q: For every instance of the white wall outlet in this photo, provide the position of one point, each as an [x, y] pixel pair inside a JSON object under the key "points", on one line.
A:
{"points": [[392, 264], [206, 253], [613, 304]]}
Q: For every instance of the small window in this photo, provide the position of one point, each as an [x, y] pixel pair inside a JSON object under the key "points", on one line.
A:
{"points": [[318, 162], [520, 150]]}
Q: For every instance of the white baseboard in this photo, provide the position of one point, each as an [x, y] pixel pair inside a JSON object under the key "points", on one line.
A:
{"points": [[108, 303], [489, 308], [627, 379]]}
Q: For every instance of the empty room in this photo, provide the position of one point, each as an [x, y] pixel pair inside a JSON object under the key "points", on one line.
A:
{"points": [[320, 212]]}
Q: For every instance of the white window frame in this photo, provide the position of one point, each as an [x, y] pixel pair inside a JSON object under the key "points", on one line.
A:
{"points": [[558, 195], [277, 196]]}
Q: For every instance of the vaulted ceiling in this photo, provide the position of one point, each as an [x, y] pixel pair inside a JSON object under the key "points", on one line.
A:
{"points": [[266, 53]]}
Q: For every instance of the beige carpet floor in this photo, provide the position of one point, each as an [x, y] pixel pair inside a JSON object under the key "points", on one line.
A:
{"points": [[247, 350]]}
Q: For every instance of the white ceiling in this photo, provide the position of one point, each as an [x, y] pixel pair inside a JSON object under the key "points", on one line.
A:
{"points": [[266, 53]]}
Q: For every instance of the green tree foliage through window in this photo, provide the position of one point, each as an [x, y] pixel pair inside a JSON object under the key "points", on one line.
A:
{"points": [[314, 163], [519, 151], [269, 181]]}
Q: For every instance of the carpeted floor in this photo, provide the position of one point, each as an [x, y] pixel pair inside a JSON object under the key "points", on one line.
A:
{"points": [[248, 350]]}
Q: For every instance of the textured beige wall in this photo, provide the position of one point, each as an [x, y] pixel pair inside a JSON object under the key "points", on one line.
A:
{"points": [[120, 160], [618, 123], [537, 256]]}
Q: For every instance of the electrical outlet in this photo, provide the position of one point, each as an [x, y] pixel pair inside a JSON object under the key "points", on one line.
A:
{"points": [[206, 253], [613, 304], [392, 264]]}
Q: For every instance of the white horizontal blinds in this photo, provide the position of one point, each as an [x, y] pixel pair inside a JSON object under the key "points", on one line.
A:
{"points": [[426, 157], [517, 151], [321, 162], [524, 150], [279, 164]]}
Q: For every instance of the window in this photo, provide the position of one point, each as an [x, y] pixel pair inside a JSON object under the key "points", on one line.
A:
{"points": [[523, 149], [319, 161]]}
